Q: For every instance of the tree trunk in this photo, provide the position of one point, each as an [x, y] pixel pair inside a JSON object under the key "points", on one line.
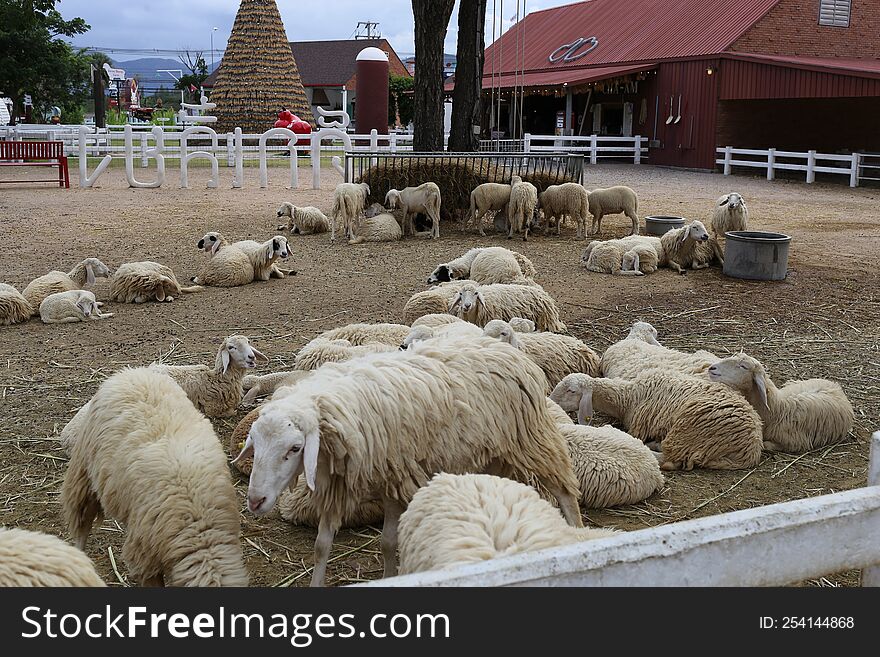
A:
{"points": [[431, 18], [467, 97]]}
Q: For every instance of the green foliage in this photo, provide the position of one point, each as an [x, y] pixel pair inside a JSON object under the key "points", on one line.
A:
{"points": [[198, 71], [400, 103]]}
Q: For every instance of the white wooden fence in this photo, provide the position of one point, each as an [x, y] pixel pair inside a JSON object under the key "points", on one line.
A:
{"points": [[774, 160], [595, 146], [765, 546]]}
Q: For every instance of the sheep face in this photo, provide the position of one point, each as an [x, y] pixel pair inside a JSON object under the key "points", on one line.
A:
{"points": [[630, 261], [732, 201], [87, 304], [742, 373], [575, 392], [392, 199], [278, 248], [585, 256], [417, 334], [696, 231], [286, 210], [644, 332], [443, 274], [95, 269], [502, 330], [210, 243], [465, 302], [283, 445], [237, 350]]}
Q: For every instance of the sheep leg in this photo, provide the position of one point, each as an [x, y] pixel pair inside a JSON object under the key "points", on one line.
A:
{"points": [[635, 220], [327, 528], [479, 221], [677, 267], [80, 503], [696, 266], [65, 320], [596, 226], [274, 272], [621, 272], [388, 542]]}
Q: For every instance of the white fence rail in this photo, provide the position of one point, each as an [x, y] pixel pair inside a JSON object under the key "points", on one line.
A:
{"points": [[592, 146], [766, 546], [773, 160]]}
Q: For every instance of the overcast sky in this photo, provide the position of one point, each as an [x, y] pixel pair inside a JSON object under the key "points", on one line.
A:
{"points": [[164, 24]]}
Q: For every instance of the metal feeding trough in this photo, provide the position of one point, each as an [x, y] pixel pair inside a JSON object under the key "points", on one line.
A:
{"points": [[756, 255], [659, 225]]}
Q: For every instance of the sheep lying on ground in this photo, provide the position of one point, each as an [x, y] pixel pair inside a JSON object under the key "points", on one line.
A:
{"points": [[433, 301], [557, 355], [698, 423], [565, 200], [14, 308], [641, 258], [380, 228], [486, 265], [608, 258], [227, 265], [486, 198], [798, 417], [730, 213], [82, 276], [383, 424], [317, 352], [255, 386], [349, 200], [457, 269], [303, 221], [640, 350], [434, 320], [139, 282], [627, 244], [458, 330], [613, 200], [216, 391], [147, 458], [264, 255], [71, 306], [708, 252], [459, 519], [680, 245], [479, 304], [361, 334], [35, 559], [521, 208], [412, 200]]}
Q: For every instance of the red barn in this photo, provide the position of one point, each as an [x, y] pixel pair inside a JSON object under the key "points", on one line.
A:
{"points": [[790, 74]]}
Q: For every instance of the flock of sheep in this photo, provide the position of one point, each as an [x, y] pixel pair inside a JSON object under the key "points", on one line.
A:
{"points": [[479, 384]]}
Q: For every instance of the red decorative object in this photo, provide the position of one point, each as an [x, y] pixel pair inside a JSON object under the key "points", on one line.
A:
{"points": [[286, 119]]}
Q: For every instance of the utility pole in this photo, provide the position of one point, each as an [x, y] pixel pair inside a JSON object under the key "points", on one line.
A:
{"points": [[370, 30], [212, 49]]}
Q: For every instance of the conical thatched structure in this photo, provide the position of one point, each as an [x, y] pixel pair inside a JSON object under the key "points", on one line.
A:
{"points": [[258, 75]]}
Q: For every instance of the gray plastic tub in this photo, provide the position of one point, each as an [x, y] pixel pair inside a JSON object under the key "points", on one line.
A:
{"points": [[660, 225], [756, 255]]}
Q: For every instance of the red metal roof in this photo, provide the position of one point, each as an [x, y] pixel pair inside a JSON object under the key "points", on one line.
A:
{"points": [[552, 78], [626, 30]]}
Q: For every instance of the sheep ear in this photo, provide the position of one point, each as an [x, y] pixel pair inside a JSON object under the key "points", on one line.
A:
{"points": [[246, 451], [585, 407], [725, 201], [761, 387], [260, 354], [685, 232], [222, 360], [270, 249], [160, 291], [635, 262], [90, 275], [310, 457], [480, 299], [215, 247], [456, 302]]}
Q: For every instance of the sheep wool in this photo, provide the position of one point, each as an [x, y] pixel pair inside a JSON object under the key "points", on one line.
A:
{"points": [[433, 301], [707, 253], [14, 308], [433, 320], [486, 198], [265, 255], [521, 208], [226, 266], [680, 245], [730, 213], [259, 386], [139, 282], [147, 458], [83, 275], [495, 264], [479, 304], [424, 199], [643, 258], [349, 200], [380, 228], [608, 258], [304, 221], [362, 334], [613, 200], [459, 519], [566, 200], [34, 559], [641, 351], [317, 352], [298, 507], [71, 306]]}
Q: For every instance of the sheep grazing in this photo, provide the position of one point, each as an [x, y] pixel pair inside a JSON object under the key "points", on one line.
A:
{"points": [[71, 306], [480, 304], [379, 228], [34, 559], [362, 334], [486, 198], [641, 350], [264, 255], [698, 423], [227, 266], [565, 200], [460, 519], [147, 458], [423, 199], [139, 282], [730, 213], [708, 252], [521, 208], [14, 308], [383, 424], [303, 221], [255, 386], [643, 258], [798, 417], [557, 355], [84, 275], [680, 246], [317, 352], [216, 391], [613, 200], [349, 200], [433, 301]]}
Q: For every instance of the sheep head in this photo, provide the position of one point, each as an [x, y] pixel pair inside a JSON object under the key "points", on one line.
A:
{"points": [[695, 231], [392, 199], [283, 443], [644, 332], [417, 334], [745, 375], [575, 392], [211, 242], [521, 325], [442, 274], [466, 300], [95, 269], [733, 201], [87, 304], [585, 256], [286, 210], [630, 261], [503, 331], [237, 351], [277, 247]]}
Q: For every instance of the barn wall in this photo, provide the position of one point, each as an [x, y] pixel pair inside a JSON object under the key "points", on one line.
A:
{"points": [[750, 80]]}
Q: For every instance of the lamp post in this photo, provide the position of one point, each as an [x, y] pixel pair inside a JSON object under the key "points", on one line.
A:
{"points": [[212, 49]]}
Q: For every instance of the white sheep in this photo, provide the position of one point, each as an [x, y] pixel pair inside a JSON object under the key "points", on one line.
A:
{"points": [[384, 423], [614, 200], [317, 352], [460, 330], [479, 304], [379, 228], [680, 245], [708, 252], [643, 258], [460, 519], [307, 220], [35, 559], [139, 282], [730, 213], [641, 350], [349, 200], [147, 458], [521, 207], [433, 320], [698, 423], [565, 200], [433, 301], [798, 417], [299, 506], [71, 306], [216, 391], [255, 386], [608, 258], [264, 255], [557, 355], [362, 334], [456, 269], [14, 308], [412, 200], [486, 198], [84, 275], [226, 266]]}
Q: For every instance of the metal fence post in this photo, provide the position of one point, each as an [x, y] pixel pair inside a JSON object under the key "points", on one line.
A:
{"points": [[771, 161]]}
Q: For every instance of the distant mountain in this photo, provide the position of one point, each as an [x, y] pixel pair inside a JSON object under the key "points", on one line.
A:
{"points": [[146, 69]]}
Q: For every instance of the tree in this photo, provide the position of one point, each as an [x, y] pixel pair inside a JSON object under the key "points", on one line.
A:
{"points": [[468, 93], [198, 70], [35, 61], [400, 100], [431, 18]]}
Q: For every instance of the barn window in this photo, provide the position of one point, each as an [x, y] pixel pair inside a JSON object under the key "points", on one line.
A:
{"points": [[834, 12]]}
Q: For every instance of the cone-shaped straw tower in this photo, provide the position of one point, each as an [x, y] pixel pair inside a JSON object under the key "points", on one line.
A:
{"points": [[258, 76]]}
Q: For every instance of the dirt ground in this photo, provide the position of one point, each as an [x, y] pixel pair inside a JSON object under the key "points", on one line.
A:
{"points": [[822, 321]]}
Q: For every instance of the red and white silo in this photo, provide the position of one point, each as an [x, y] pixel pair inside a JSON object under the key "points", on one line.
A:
{"points": [[371, 103]]}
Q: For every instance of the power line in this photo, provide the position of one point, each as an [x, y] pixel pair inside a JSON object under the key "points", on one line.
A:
{"points": [[151, 51]]}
